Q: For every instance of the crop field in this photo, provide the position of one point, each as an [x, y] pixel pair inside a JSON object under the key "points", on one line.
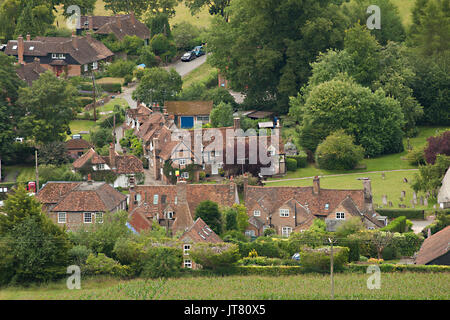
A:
{"points": [[394, 286]]}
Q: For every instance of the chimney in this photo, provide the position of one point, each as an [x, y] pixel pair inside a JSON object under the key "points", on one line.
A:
{"points": [[20, 49], [37, 62], [181, 192], [245, 185], [74, 41], [91, 23], [119, 22], [316, 185], [368, 204], [89, 179], [133, 18], [28, 37], [112, 156], [155, 158], [237, 123]]}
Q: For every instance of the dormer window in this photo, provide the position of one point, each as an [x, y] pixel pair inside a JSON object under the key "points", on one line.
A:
{"points": [[31, 48], [284, 213], [14, 47], [327, 206]]}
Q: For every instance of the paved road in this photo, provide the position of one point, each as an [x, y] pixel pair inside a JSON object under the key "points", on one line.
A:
{"points": [[183, 68]]}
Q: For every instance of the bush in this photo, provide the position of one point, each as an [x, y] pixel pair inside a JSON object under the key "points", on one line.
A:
{"points": [[215, 256], [291, 164], [319, 260], [101, 264], [264, 247], [338, 152], [301, 158], [397, 225], [162, 262], [408, 213], [234, 236], [113, 87], [416, 156], [119, 69], [386, 267], [363, 259], [79, 254], [264, 261]]}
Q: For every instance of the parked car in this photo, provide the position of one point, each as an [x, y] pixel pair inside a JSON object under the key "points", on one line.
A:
{"points": [[188, 56], [199, 51]]}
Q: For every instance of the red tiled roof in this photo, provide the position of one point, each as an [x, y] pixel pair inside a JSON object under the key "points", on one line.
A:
{"points": [[128, 164], [91, 156], [77, 144], [434, 247], [200, 232], [53, 192]]}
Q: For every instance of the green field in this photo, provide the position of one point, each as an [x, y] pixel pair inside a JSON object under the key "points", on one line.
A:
{"points": [[394, 286], [197, 75]]}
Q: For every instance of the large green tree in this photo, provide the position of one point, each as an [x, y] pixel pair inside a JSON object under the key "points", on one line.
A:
{"points": [[210, 213], [49, 104], [222, 115], [158, 85], [215, 7], [266, 47]]}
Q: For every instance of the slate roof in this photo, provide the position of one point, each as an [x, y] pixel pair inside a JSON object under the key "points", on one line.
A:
{"points": [[81, 196], [200, 232], [30, 72], [434, 247], [189, 108], [83, 49]]}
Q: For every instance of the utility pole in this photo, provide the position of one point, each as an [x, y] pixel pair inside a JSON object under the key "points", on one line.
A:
{"points": [[331, 270], [93, 96], [114, 128], [37, 171]]}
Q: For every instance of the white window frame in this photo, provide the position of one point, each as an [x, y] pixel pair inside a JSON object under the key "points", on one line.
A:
{"points": [[85, 216], [188, 264], [284, 213], [101, 166], [256, 213], [86, 68], [169, 215], [286, 231], [155, 199], [94, 65], [99, 217], [182, 162], [340, 215], [54, 56], [59, 217], [61, 56], [186, 249]]}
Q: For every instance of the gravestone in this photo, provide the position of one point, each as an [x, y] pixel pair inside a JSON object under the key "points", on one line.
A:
{"points": [[385, 201], [390, 204], [414, 198], [425, 202], [403, 194], [412, 204], [421, 200], [405, 180]]}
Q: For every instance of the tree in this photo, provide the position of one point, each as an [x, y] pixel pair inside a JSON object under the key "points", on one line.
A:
{"points": [[391, 24], [372, 118], [139, 7], [10, 113], [381, 240], [35, 18], [230, 219], [102, 137], [53, 153], [163, 47], [266, 47], [158, 85], [349, 227], [49, 104], [215, 256], [210, 213], [217, 7], [186, 35], [338, 152], [222, 115], [147, 57], [429, 178], [437, 145]]}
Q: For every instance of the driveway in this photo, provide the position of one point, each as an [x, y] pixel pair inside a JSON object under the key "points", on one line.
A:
{"points": [[183, 68], [126, 94], [419, 225]]}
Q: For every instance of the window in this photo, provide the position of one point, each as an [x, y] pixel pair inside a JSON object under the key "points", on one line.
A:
{"points": [[54, 56], [31, 48], [327, 206], [182, 162], [99, 217], [256, 213], [188, 264], [286, 231], [340, 215], [186, 249], [61, 217], [250, 233], [14, 47], [170, 215], [87, 217], [202, 236], [155, 199], [101, 166], [163, 198], [86, 68], [176, 200], [95, 65], [284, 212], [203, 118], [61, 56]]}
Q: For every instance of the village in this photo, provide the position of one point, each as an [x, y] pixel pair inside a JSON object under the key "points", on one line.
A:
{"points": [[136, 147]]}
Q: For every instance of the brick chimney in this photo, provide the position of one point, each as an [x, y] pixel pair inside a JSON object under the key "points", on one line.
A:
{"points": [[74, 40], [28, 37], [112, 156], [91, 23], [316, 185], [155, 158], [119, 22], [237, 123], [133, 18], [181, 192], [20, 49]]}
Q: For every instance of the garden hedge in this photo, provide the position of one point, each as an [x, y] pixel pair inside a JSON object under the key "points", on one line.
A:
{"points": [[291, 164], [408, 213], [301, 158], [362, 268]]}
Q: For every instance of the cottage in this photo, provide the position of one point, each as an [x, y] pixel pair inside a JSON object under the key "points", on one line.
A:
{"points": [[197, 233], [31, 71], [444, 192], [124, 166], [187, 114], [435, 249], [73, 56], [73, 204], [289, 209], [119, 25], [77, 146], [173, 206]]}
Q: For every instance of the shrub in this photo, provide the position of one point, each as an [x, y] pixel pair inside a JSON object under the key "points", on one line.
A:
{"points": [[408, 213], [264, 247], [79, 254], [319, 260], [363, 259], [291, 164], [437, 145], [396, 225], [101, 264], [119, 69], [215, 256], [386, 267], [269, 232], [162, 262], [301, 158], [442, 221], [264, 261], [416, 156], [113, 86], [338, 152]]}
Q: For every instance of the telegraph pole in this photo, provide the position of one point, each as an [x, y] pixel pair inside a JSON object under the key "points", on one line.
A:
{"points": [[331, 270], [93, 95], [37, 171]]}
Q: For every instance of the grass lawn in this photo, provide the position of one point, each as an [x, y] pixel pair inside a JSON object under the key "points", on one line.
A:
{"points": [[182, 13], [26, 174], [198, 75], [81, 125], [394, 286]]}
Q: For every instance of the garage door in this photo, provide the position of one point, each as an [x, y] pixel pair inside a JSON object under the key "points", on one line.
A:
{"points": [[187, 122]]}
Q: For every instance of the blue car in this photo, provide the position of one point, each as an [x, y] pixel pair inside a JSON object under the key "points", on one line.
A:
{"points": [[199, 51]]}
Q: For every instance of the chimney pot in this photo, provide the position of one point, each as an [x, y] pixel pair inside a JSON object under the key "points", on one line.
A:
{"points": [[20, 49], [28, 37], [89, 178], [316, 185]]}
